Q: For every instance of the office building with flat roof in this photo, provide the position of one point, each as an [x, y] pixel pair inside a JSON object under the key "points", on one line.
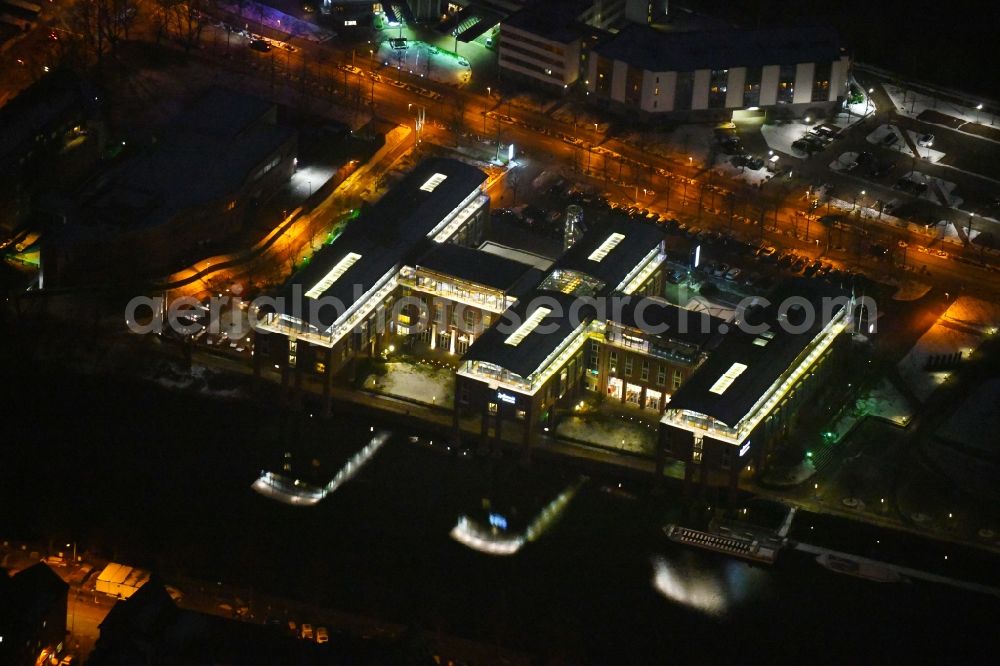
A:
{"points": [[745, 398]]}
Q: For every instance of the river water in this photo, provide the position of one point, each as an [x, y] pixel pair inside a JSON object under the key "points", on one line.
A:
{"points": [[162, 480]]}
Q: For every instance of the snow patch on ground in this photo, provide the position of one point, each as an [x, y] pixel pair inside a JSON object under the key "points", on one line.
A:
{"points": [[912, 104], [610, 433], [925, 152], [781, 136], [724, 164], [879, 134], [424, 383], [934, 186], [427, 61], [960, 329], [844, 162], [885, 401]]}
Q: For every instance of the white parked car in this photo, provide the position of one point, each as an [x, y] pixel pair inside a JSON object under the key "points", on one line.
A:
{"points": [[925, 140], [733, 274]]}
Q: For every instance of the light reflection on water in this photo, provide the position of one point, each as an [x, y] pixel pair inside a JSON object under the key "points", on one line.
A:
{"points": [[712, 590]]}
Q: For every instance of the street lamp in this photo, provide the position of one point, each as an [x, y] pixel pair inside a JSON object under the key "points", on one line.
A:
{"points": [[979, 107]]}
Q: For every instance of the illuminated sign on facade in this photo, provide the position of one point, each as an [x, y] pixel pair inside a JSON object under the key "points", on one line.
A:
{"points": [[506, 397], [744, 449]]}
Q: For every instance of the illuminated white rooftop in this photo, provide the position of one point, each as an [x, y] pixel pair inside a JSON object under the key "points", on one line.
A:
{"points": [[604, 248], [525, 329], [727, 378], [338, 270]]}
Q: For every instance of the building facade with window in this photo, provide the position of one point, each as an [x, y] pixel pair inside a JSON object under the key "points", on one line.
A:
{"points": [[541, 44], [745, 398], [711, 73], [454, 293], [647, 351]]}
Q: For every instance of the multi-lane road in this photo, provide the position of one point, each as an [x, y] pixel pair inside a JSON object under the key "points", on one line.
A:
{"points": [[475, 116]]}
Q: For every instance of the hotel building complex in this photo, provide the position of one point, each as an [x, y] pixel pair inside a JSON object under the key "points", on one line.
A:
{"points": [[530, 343]]}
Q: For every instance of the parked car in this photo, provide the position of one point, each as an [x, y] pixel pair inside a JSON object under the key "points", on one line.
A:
{"points": [[733, 274], [767, 253], [675, 276], [731, 145], [803, 146], [799, 264], [925, 140], [259, 45], [719, 269], [890, 139], [865, 157]]}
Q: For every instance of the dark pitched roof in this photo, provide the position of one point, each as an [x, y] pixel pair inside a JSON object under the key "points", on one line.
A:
{"points": [[648, 313], [39, 579], [661, 51], [525, 357], [30, 593], [394, 229], [637, 241], [476, 266], [765, 363]]}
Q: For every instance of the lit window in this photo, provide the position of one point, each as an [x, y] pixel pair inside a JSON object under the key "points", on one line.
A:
{"points": [[339, 269], [604, 248], [525, 329], [727, 378]]}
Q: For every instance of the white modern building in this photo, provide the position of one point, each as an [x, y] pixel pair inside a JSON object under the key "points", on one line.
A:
{"points": [[715, 72], [548, 42]]}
